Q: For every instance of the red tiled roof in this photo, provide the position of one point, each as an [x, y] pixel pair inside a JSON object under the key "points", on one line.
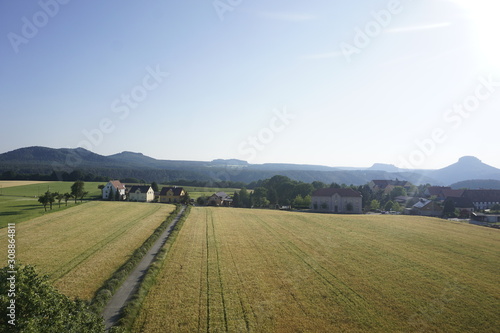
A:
{"points": [[117, 184]]}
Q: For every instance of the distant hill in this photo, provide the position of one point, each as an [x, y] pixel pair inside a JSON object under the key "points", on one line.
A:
{"points": [[478, 184], [467, 167], [46, 161]]}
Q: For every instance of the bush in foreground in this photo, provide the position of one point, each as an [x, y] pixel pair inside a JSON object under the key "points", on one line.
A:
{"points": [[39, 307]]}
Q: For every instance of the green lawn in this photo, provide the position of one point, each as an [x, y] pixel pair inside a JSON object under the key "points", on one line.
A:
{"points": [[20, 203]]}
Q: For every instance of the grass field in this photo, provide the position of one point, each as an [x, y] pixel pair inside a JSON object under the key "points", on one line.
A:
{"points": [[79, 248], [19, 202], [236, 270], [36, 189]]}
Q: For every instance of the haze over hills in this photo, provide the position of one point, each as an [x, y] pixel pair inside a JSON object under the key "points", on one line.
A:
{"points": [[42, 160]]}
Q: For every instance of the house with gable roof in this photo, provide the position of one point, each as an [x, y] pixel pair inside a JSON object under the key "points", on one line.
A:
{"points": [[337, 200], [110, 189], [141, 193], [172, 194], [220, 199]]}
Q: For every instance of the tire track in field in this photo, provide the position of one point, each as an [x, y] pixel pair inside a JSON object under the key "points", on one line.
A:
{"points": [[97, 247], [313, 264], [240, 291], [265, 255], [220, 285]]}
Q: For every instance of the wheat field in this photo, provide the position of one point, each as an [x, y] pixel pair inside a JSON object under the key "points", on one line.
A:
{"points": [[242, 270], [80, 247]]}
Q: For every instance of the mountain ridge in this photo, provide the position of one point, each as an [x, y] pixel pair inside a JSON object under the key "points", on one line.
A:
{"points": [[38, 159]]}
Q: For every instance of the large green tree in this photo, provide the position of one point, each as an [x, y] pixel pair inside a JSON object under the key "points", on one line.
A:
{"points": [[78, 189]]}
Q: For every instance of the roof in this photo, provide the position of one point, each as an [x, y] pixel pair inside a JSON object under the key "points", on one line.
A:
{"points": [[422, 203], [444, 191], [176, 190], [141, 188], [482, 195], [461, 202], [343, 192], [222, 195], [117, 184]]}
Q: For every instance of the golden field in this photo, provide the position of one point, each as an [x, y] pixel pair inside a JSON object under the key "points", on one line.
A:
{"points": [[243, 270], [80, 247]]}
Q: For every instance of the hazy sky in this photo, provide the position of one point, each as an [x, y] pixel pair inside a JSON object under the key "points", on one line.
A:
{"points": [[338, 83]]}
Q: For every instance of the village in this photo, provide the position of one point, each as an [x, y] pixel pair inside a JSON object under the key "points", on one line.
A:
{"points": [[401, 197]]}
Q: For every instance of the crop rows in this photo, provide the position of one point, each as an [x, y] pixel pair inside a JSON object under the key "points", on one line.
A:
{"points": [[240, 270]]}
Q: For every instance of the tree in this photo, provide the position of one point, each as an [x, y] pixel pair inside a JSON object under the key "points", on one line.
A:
{"points": [[101, 187], [260, 197], [374, 204], [398, 191], [202, 200], [236, 199], [388, 205], [59, 198], [449, 208], [186, 199], [82, 195], [154, 186], [67, 196], [317, 185], [44, 200], [244, 198], [397, 207], [39, 307], [117, 195], [77, 189]]}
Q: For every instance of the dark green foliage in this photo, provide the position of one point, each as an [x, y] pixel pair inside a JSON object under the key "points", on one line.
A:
{"points": [[78, 189], [39, 307], [154, 186], [449, 208]]}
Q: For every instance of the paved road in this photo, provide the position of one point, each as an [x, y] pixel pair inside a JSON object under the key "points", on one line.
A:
{"points": [[112, 310]]}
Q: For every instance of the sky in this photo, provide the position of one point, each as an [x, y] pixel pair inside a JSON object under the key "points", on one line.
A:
{"points": [[337, 83]]}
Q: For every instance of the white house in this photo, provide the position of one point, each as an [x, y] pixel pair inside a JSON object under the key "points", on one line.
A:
{"points": [[142, 193], [109, 190], [337, 200]]}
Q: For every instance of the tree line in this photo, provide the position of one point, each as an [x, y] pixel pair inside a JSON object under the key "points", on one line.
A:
{"points": [[77, 192]]}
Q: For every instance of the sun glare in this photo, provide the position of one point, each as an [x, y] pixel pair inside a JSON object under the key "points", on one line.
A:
{"points": [[483, 15]]}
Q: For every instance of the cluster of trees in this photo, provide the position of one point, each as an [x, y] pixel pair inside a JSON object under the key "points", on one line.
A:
{"points": [[77, 192], [278, 190], [39, 307]]}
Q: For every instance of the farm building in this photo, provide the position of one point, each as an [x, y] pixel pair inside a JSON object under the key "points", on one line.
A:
{"points": [[337, 200], [142, 193], [172, 194], [110, 189], [483, 199], [220, 199]]}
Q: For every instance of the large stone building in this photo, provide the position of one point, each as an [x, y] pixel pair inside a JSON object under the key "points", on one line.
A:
{"points": [[337, 200]]}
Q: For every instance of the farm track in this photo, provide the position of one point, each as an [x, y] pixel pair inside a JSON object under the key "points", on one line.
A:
{"points": [[112, 311]]}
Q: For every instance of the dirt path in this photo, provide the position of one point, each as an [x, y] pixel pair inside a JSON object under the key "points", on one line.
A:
{"points": [[112, 310]]}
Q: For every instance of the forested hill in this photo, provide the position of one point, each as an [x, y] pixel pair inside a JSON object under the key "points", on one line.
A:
{"points": [[66, 163]]}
